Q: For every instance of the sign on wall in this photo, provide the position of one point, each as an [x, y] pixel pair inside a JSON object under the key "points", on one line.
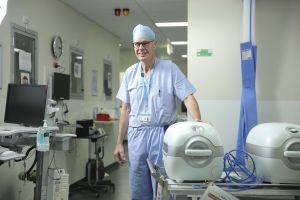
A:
{"points": [[204, 52]]}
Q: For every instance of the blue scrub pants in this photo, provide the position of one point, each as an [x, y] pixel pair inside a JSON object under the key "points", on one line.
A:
{"points": [[144, 143]]}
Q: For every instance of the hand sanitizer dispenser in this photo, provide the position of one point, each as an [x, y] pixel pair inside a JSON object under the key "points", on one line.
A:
{"points": [[42, 138]]}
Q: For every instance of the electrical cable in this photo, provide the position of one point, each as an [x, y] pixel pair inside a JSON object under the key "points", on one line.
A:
{"points": [[236, 170], [26, 154], [28, 172], [55, 167], [241, 170], [31, 167]]}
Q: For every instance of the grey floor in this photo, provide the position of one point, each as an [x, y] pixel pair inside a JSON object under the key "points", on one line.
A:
{"points": [[119, 177]]}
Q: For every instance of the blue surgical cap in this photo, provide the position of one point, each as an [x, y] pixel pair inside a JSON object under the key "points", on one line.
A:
{"points": [[143, 32]]}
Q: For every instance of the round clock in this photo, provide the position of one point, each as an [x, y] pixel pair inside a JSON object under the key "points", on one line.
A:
{"points": [[57, 47]]}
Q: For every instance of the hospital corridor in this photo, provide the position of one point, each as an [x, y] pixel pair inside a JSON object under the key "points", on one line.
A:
{"points": [[149, 100]]}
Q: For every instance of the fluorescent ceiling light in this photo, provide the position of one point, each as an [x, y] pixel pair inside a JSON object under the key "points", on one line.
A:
{"points": [[184, 56], [179, 42], [169, 49], [171, 24]]}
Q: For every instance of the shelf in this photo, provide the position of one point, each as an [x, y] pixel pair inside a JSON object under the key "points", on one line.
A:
{"points": [[106, 122]]}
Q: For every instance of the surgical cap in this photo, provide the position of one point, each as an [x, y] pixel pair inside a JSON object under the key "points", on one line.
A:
{"points": [[143, 32]]}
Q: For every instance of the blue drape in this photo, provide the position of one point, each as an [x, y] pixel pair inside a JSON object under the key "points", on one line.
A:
{"points": [[248, 112]]}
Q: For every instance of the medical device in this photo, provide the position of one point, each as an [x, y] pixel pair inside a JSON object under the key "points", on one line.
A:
{"points": [[193, 151], [58, 185], [61, 86], [51, 109], [25, 104], [275, 148]]}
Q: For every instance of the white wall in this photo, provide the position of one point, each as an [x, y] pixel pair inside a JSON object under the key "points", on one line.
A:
{"points": [[127, 58], [217, 25], [49, 18]]}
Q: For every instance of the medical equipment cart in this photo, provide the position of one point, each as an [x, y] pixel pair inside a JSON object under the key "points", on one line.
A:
{"points": [[168, 187]]}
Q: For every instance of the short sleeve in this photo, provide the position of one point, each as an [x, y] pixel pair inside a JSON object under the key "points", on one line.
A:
{"points": [[123, 93], [182, 86]]}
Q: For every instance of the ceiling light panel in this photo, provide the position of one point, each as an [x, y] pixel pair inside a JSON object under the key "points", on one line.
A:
{"points": [[171, 24], [179, 42]]}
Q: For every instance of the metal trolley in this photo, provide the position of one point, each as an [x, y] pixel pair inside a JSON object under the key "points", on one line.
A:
{"points": [[168, 187]]}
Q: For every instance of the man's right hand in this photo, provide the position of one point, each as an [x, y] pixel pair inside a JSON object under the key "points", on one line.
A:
{"points": [[119, 154]]}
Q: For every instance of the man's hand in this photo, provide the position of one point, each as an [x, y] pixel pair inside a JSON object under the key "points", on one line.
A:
{"points": [[119, 154]]}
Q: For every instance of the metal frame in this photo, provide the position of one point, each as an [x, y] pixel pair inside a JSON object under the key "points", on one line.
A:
{"points": [[15, 28], [76, 95], [107, 68], [194, 190]]}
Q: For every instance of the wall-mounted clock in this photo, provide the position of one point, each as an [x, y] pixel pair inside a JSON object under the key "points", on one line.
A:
{"points": [[57, 47]]}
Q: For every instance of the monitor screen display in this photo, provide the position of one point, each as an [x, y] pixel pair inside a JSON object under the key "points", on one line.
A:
{"points": [[25, 104], [61, 86]]}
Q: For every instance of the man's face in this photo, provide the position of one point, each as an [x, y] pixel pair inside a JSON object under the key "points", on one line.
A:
{"points": [[144, 49]]}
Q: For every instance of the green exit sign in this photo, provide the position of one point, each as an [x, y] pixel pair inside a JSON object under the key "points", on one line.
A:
{"points": [[204, 52]]}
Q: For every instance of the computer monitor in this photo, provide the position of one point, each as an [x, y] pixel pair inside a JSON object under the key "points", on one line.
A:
{"points": [[61, 86], [25, 104]]}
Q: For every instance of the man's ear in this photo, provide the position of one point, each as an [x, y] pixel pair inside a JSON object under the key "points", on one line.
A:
{"points": [[155, 43]]}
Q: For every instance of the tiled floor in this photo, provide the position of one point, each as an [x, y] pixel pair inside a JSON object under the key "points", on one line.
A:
{"points": [[119, 177]]}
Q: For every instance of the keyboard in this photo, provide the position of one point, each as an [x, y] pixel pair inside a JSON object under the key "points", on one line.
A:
{"points": [[11, 130]]}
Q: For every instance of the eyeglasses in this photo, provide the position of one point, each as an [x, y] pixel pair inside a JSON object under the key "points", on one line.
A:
{"points": [[145, 44]]}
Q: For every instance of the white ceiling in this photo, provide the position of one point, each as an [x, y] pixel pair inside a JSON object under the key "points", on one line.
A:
{"points": [[145, 12]]}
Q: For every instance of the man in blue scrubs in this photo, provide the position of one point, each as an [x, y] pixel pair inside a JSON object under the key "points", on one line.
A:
{"points": [[148, 93]]}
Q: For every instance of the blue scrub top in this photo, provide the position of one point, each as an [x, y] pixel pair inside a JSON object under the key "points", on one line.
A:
{"points": [[155, 96]]}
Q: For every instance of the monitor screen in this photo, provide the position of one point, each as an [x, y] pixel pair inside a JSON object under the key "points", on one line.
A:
{"points": [[61, 86], [25, 104]]}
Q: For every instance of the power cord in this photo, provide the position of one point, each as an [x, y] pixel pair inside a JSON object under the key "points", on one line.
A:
{"points": [[241, 170], [30, 173]]}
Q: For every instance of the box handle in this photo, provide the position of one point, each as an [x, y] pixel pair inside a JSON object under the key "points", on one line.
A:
{"points": [[292, 154], [194, 152]]}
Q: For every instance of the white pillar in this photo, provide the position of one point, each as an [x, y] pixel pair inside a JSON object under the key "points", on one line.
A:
{"points": [[249, 21]]}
